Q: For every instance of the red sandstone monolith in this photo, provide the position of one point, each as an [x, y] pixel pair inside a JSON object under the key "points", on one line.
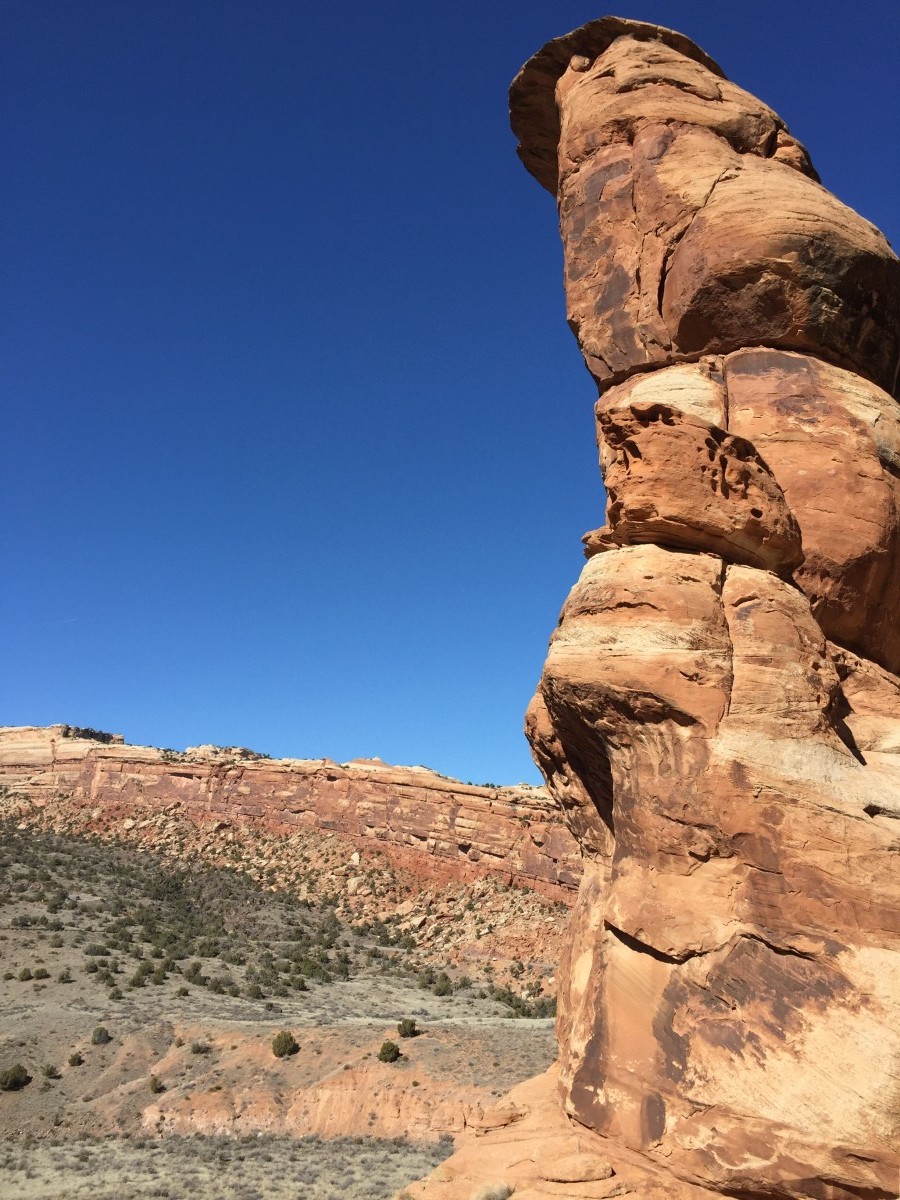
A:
{"points": [[719, 711]]}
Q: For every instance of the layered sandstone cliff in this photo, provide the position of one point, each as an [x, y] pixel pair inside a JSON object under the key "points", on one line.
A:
{"points": [[438, 827], [719, 712]]}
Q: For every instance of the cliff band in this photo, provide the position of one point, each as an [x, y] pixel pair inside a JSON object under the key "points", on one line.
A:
{"points": [[437, 827]]}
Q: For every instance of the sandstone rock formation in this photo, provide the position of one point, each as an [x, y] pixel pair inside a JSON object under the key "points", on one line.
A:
{"points": [[719, 712], [438, 827]]}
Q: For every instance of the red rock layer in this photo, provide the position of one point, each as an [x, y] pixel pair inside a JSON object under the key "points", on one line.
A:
{"points": [[436, 826]]}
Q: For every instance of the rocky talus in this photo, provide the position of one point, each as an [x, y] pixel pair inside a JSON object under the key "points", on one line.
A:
{"points": [[719, 711], [480, 880]]}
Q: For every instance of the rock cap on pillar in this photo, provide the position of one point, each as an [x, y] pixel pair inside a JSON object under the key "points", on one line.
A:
{"points": [[532, 99]]}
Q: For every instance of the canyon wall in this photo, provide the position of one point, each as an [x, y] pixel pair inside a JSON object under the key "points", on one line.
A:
{"points": [[436, 826]]}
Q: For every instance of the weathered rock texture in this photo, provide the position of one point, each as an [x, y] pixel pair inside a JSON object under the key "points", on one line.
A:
{"points": [[692, 222], [436, 826], [719, 713]]}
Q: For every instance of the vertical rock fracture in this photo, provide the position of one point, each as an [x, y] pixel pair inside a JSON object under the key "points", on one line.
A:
{"points": [[719, 712]]}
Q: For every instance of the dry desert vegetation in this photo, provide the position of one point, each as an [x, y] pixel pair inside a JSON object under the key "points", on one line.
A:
{"points": [[141, 997], [259, 1167]]}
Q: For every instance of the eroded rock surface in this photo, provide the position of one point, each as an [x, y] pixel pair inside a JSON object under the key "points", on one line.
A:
{"points": [[719, 712], [692, 221]]}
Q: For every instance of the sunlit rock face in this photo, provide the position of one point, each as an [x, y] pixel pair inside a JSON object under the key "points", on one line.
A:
{"points": [[719, 712]]}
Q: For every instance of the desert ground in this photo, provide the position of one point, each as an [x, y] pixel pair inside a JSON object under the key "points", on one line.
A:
{"points": [[141, 996]]}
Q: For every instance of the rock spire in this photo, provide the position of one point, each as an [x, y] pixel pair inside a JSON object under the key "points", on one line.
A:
{"points": [[719, 712]]}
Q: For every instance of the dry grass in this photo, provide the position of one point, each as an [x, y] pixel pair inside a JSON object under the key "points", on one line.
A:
{"points": [[254, 1168]]}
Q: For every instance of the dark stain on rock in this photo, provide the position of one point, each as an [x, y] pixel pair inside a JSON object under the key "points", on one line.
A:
{"points": [[672, 1045], [600, 176], [615, 291], [653, 1118], [757, 851], [762, 361], [739, 776], [803, 408], [725, 1034], [823, 1189], [782, 983]]}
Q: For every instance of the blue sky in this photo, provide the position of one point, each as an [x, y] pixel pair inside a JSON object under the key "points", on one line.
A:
{"points": [[298, 449]]}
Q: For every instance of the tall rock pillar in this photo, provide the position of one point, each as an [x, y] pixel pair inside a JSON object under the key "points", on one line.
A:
{"points": [[719, 712]]}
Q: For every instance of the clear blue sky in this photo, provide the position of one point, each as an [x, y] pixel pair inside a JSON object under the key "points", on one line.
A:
{"points": [[298, 448]]}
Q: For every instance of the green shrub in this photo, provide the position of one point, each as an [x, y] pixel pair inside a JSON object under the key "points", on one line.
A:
{"points": [[543, 1006], [156, 1084], [14, 1078], [49, 1071], [100, 1036], [91, 735], [25, 975], [200, 1047], [407, 1028], [389, 1052], [142, 974], [75, 1059], [41, 973], [284, 1044], [443, 985]]}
